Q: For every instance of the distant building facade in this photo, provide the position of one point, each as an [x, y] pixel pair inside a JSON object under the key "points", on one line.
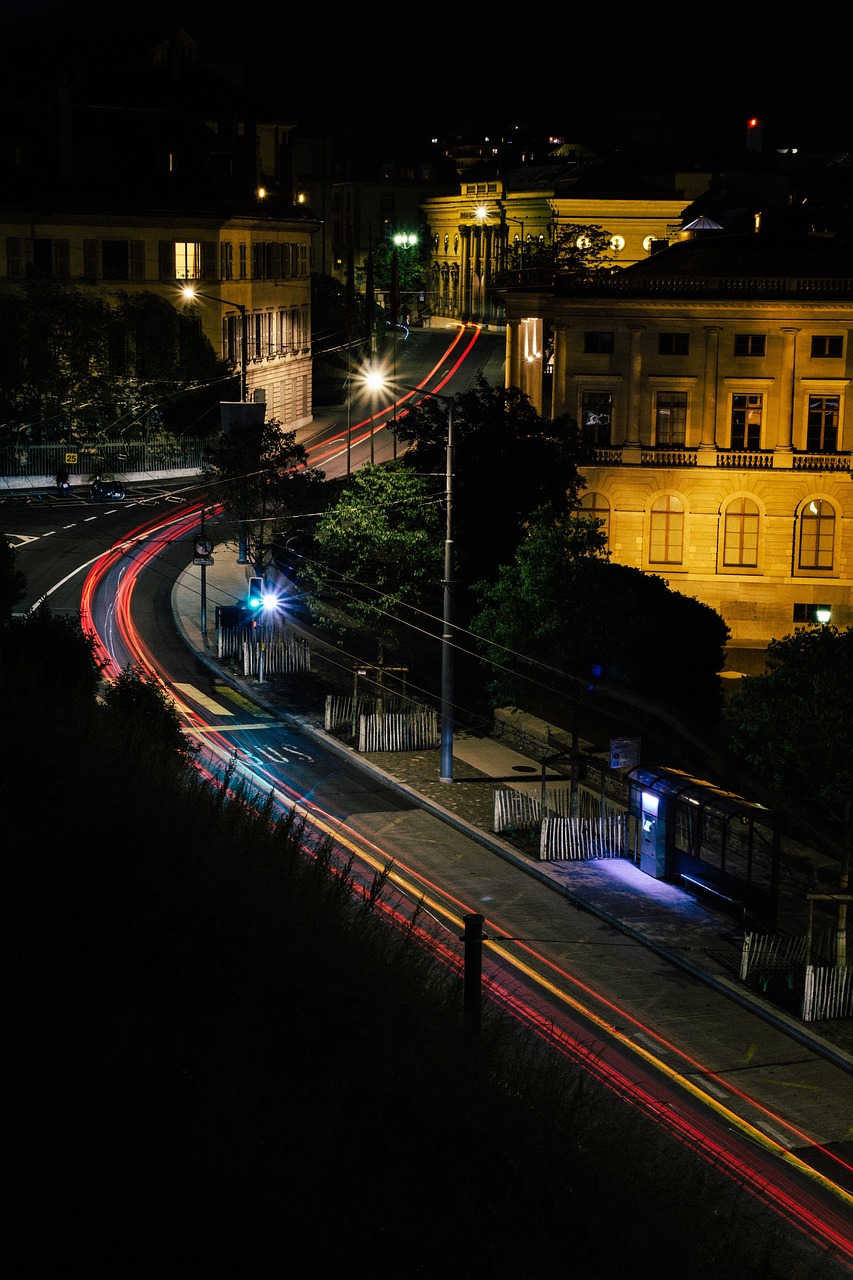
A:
{"points": [[136, 198], [712, 384], [496, 225]]}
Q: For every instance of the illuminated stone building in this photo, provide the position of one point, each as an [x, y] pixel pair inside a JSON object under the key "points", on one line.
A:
{"points": [[711, 381], [476, 236]]}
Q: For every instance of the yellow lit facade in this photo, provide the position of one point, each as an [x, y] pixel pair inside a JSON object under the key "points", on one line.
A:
{"points": [[473, 236], [712, 384]]}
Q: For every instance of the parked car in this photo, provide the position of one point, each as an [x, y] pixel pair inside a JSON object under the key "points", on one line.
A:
{"points": [[107, 491]]}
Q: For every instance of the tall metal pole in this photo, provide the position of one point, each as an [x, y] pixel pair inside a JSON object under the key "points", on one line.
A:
{"points": [[447, 619], [244, 352]]}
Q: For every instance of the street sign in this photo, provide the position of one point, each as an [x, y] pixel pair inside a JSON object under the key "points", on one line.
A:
{"points": [[203, 552], [71, 459], [624, 753]]}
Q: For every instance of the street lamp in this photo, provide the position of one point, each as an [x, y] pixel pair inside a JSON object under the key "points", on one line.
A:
{"points": [[191, 293], [376, 382]]}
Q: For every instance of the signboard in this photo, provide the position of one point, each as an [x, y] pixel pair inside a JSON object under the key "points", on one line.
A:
{"points": [[71, 459], [624, 753], [203, 552]]}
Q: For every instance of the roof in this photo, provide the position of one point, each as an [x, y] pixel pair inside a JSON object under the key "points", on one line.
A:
{"points": [[754, 255], [682, 786]]}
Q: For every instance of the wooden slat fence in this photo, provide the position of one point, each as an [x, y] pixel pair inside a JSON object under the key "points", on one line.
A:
{"points": [[576, 839], [284, 654], [828, 992], [827, 988], [413, 729], [561, 838]]}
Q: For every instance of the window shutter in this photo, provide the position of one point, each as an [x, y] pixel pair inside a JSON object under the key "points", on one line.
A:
{"points": [[137, 259], [62, 259], [14, 257], [167, 260], [210, 260], [91, 255]]}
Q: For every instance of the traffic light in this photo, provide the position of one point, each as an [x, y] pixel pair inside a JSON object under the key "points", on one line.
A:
{"points": [[255, 597]]}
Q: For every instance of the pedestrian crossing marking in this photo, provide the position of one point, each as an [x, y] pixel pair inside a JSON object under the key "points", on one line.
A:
{"points": [[190, 691]]}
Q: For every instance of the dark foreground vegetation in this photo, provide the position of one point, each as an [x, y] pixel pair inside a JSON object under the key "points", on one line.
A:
{"points": [[221, 1066]]}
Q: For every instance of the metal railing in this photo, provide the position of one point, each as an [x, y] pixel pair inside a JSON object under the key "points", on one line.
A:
{"points": [[106, 459]]}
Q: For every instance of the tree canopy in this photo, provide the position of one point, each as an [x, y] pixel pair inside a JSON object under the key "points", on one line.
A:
{"points": [[793, 724], [508, 461], [262, 478], [78, 364], [378, 549], [560, 609]]}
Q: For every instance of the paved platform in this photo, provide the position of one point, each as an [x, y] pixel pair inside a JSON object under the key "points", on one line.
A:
{"points": [[692, 934]]}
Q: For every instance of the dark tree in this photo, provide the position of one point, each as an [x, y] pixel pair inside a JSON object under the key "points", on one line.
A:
{"points": [[560, 609], [262, 478], [508, 461]]}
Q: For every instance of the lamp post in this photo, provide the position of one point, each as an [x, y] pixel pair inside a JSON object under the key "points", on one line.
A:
{"points": [[190, 293], [376, 382]]}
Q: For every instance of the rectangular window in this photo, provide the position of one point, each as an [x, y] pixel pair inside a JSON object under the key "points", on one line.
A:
{"points": [[226, 260], [671, 418], [244, 262], [600, 344], [596, 416], [816, 614], [673, 344], [750, 344], [822, 424], [825, 347], [187, 260], [115, 259], [746, 421]]}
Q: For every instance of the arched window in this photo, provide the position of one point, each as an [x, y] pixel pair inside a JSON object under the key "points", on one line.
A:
{"points": [[740, 534], [666, 531], [596, 506], [817, 536]]}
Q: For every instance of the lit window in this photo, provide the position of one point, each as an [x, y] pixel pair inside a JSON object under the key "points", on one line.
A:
{"points": [[671, 418], [666, 531], [822, 424], [817, 535], [596, 416], [187, 261], [746, 421], [740, 534]]}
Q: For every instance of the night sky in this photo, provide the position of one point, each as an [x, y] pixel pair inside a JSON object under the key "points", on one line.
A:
{"points": [[437, 68]]}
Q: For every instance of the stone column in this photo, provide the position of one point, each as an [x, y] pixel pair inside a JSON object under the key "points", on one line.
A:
{"points": [[560, 400], [785, 435], [631, 449], [464, 301], [707, 456], [512, 368]]}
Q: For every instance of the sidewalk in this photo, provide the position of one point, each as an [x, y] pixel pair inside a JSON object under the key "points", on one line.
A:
{"points": [[664, 917]]}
